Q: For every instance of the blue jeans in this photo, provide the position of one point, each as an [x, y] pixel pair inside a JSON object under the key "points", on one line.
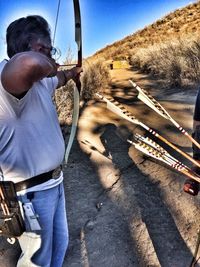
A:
{"points": [[47, 248]]}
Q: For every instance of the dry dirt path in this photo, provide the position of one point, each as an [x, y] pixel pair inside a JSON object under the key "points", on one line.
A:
{"points": [[125, 210]]}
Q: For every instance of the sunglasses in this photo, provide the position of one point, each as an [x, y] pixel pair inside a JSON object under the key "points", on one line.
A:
{"points": [[50, 49]]}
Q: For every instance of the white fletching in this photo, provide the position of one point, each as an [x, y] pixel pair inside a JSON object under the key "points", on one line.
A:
{"points": [[117, 110], [150, 101]]}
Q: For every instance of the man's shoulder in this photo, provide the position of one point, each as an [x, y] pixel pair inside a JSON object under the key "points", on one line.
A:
{"points": [[2, 64]]}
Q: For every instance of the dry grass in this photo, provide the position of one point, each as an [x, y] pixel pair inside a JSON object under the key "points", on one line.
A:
{"points": [[177, 63], [150, 49], [169, 48], [64, 103], [95, 77], [176, 24]]}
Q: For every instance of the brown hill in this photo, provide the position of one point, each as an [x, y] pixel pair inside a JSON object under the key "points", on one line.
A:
{"points": [[182, 22]]}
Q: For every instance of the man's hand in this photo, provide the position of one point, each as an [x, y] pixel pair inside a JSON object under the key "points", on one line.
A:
{"points": [[75, 73], [65, 75]]}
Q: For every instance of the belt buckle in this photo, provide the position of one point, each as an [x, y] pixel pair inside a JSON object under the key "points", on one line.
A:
{"points": [[56, 173]]}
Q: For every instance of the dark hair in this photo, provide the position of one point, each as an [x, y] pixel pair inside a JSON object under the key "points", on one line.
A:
{"points": [[24, 30]]}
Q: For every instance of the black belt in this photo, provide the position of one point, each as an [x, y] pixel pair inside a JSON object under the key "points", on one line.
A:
{"points": [[38, 179]]}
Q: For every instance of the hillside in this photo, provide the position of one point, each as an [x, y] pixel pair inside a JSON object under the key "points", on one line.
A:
{"points": [[183, 22]]}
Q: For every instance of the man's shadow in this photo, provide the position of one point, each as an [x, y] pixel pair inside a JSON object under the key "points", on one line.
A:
{"points": [[170, 248]]}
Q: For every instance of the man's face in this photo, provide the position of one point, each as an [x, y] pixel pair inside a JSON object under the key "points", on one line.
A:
{"points": [[43, 46]]}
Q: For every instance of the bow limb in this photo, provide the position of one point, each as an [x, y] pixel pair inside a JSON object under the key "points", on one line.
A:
{"points": [[78, 38], [77, 88]]}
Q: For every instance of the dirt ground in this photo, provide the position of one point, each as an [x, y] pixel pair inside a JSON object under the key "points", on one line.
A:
{"points": [[125, 210]]}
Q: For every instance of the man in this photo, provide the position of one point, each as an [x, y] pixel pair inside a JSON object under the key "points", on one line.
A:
{"points": [[191, 186], [31, 142]]}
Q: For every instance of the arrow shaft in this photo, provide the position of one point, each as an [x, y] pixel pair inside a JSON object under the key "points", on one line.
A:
{"points": [[161, 150], [120, 110], [163, 158], [156, 106]]}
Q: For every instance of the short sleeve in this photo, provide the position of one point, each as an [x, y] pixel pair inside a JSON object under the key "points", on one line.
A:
{"points": [[50, 84]]}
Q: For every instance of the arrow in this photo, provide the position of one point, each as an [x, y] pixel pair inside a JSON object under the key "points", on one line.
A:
{"points": [[145, 97], [152, 149], [121, 111]]}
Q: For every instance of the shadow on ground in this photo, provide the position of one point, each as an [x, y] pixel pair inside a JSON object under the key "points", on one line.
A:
{"points": [[104, 222]]}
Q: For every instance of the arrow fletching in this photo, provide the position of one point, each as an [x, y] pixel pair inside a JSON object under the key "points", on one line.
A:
{"points": [[118, 109], [152, 149], [146, 98], [161, 151], [121, 111]]}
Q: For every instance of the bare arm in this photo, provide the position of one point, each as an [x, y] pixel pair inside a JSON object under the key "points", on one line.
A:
{"points": [[65, 75], [24, 69]]}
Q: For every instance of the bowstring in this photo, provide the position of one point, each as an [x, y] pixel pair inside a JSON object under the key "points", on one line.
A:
{"points": [[56, 22]]}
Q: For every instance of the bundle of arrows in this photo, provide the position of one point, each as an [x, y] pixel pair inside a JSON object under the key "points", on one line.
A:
{"points": [[146, 98], [154, 150], [149, 147]]}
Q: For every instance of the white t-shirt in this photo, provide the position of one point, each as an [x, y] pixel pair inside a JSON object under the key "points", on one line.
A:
{"points": [[31, 140]]}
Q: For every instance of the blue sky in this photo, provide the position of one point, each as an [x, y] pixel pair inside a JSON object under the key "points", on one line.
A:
{"points": [[103, 21]]}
